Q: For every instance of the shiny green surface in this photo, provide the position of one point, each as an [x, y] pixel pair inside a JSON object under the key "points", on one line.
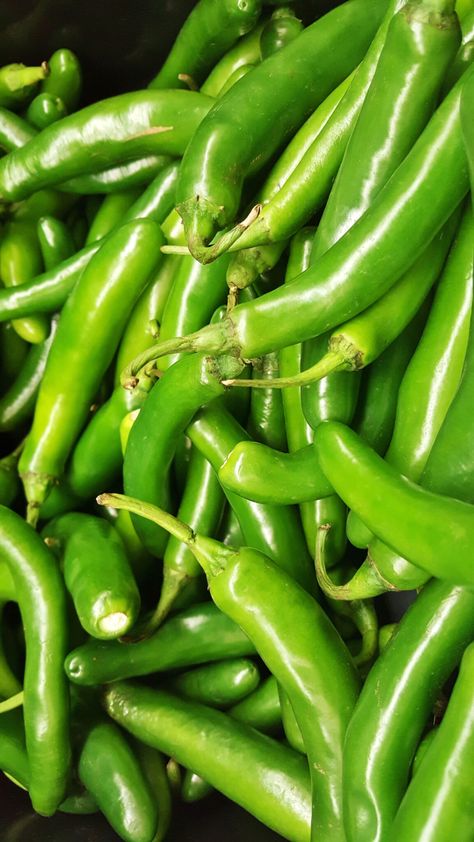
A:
{"points": [[14, 130], [282, 28], [110, 214], [44, 110], [55, 241], [261, 709], [20, 261], [65, 78], [219, 685], [18, 402], [137, 173], [263, 776]]}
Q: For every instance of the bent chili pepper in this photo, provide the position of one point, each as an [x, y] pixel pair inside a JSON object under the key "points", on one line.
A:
{"points": [[219, 685], [14, 131], [64, 79], [42, 600], [103, 134], [438, 799], [395, 704], [224, 143], [82, 350], [198, 635], [20, 260]]}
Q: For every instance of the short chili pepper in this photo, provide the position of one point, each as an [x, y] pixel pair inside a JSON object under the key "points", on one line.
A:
{"points": [[64, 79], [262, 775], [264, 600], [282, 28], [42, 600], [18, 83], [438, 799], [219, 685], [106, 133], [395, 705], [198, 635], [44, 110], [55, 241], [207, 33]]}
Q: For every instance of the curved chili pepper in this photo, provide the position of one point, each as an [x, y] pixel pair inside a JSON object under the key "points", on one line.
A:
{"points": [[20, 260], [437, 800], [198, 635], [18, 83], [323, 689], [64, 79], [14, 131], [122, 177], [395, 704], [84, 346], [44, 110], [207, 33], [245, 52], [42, 600], [219, 685], [110, 214], [106, 133], [204, 201], [154, 768]]}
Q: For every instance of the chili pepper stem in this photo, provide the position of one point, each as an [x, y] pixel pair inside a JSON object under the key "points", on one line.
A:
{"points": [[21, 77], [364, 584], [13, 702], [169, 248], [173, 583], [332, 361], [37, 487]]}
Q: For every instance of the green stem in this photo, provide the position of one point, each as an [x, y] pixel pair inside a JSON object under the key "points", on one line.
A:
{"points": [[13, 702], [175, 527], [206, 254], [169, 248], [332, 361]]}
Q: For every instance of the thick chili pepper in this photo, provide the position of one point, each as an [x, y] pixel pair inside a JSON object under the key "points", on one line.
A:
{"points": [[65, 78], [14, 131], [425, 189], [97, 573], [207, 33], [55, 241], [282, 28], [245, 52], [18, 83], [83, 348], [200, 634], [433, 531], [219, 685], [111, 772], [44, 110], [438, 800], [42, 600], [263, 776], [122, 177], [222, 143], [20, 261], [264, 600], [18, 402], [110, 214], [395, 704], [106, 133]]}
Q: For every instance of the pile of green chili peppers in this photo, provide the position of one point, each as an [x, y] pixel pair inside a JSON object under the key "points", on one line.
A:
{"points": [[242, 299]]}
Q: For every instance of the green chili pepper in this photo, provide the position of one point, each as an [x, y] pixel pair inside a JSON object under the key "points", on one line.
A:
{"points": [[264, 600], [9, 684], [219, 685], [42, 601], [55, 241], [246, 51], [106, 133], [110, 214], [290, 725], [364, 617], [225, 144], [122, 177], [236, 76], [9, 487], [282, 28], [265, 777], [261, 708], [18, 83], [13, 353], [395, 704], [194, 788], [111, 772], [97, 573], [198, 635], [468, 133], [43, 203], [433, 531], [14, 131], [44, 110], [65, 78], [207, 33], [83, 348], [266, 421], [20, 260]]}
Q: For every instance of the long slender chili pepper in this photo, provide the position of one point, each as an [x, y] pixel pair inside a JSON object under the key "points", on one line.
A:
{"points": [[438, 799], [250, 588], [153, 766], [246, 51], [395, 704], [14, 131], [110, 214], [121, 177], [106, 133], [20, 260], [42, 600], [364, 263]]}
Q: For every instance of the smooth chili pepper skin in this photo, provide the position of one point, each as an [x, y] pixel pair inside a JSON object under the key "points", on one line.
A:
{"points": [[18, 83], [433, 531], [111, 772], [18, 402], [83, 348], [236, 76], [204, 201], [264, 600], [55, 241], [395, 705], [219, 685], [44, 110], [438, 799], [42, 600], [9, 487], [110, 214], [263, 776], [266, 421], [282, 28], [198, 635], [208, 32], [468, 133], [291, 728], [194, 788], [20, 260], [97, 573], [153, 766], [109, 132], [65, 78], [261, 708], [125, 176], [14, 130]]}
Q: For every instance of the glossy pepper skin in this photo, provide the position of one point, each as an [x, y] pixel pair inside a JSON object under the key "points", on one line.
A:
{"points": [[137, 173], [219, 685], [44, 110], [84, 346], [108, 132], [265, 601], [14, 131], [395, 705], [20, 261], [64, 79], [110, 214], [439, 800], [207, 34], [55, 241], [223, 143], [42, 600], [245, 52], [466, 113], [435, 532], [282, 28], [263, 776], [198, 635], [260, 709]]}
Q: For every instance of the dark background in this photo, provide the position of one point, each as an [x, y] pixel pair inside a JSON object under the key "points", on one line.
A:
{"points": [[121, 44]]}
